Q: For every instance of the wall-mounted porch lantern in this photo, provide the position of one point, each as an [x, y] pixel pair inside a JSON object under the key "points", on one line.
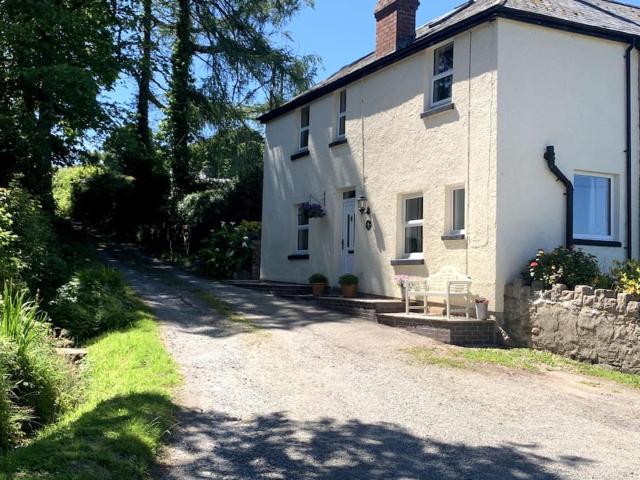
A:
{"points": [[363, 207]]}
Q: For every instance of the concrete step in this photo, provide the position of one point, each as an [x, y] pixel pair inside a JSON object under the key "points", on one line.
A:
{"points": [[273, 288], [365, 307]]}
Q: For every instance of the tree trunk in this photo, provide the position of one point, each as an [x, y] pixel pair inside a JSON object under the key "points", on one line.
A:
{"points": [[144, 80], [179, 104]]}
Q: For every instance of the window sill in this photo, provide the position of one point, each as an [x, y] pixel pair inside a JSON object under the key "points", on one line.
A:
{"points": [[300, 154], [340, 141], [407, 261], [299, 256], [451, 237], [596, 243], [439, 109]]}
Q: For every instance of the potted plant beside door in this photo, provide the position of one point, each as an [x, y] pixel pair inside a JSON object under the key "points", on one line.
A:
{"points": [[318, 284], [349, 285]]}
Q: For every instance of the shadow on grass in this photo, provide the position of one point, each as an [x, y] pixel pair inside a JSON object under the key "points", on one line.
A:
{"points": [[114, 440], [275, 446]]}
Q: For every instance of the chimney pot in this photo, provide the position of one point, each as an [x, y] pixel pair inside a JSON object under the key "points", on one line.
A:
{"points": [[395, 25]]}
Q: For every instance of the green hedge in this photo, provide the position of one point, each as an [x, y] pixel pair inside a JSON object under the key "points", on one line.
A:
{"points": [[95, 300]]}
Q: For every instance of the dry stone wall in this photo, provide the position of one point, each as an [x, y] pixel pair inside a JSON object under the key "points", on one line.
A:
{"points": [[597, 326]]}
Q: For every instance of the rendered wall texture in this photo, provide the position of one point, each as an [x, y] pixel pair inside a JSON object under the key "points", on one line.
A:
{"points": [[566, 90], [391, 152]]}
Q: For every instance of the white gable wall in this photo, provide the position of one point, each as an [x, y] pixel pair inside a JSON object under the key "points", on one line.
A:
{"points": [[566, 90], [391, 152]]}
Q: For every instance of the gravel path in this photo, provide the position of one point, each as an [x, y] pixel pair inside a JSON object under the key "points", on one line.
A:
{"points": [[306, 394]]}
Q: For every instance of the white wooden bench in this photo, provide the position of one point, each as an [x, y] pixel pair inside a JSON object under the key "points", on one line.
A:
{"points": [[447, 284]]}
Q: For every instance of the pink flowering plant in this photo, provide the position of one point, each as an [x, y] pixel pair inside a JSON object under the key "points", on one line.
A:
{"points": [[565, 266], [401, 280]]}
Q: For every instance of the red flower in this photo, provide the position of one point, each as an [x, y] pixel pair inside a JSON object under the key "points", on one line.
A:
{"points": [[533, 264]]}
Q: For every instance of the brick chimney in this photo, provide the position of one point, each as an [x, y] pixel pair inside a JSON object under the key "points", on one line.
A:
{"points": [[395, 25]]}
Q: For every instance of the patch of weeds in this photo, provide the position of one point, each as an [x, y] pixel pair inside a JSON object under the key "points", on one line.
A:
{"points": [[429, 356], [518, 358]]}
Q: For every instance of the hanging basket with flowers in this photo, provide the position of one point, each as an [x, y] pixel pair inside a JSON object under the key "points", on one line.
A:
{"points": [[313, 210]]}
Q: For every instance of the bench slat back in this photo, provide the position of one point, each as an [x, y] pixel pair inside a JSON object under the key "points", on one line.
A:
{"points": [[440, 282]]}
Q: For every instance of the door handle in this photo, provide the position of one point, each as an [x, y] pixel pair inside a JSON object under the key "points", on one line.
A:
{"points": [[342, 244]]}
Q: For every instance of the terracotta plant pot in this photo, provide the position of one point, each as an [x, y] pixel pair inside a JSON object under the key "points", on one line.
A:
{"points": [[318, 289], [349, 291]]}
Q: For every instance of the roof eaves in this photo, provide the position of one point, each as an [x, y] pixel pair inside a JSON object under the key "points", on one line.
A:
{"points": [[421, 43], [562, 24], [425, 41]]}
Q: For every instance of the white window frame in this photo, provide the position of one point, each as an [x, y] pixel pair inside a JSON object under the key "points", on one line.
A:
{"points": [[409, 224], [612, 207], [452, 207], [304, 129], [341, 115], [435, 77], [300, 228]]}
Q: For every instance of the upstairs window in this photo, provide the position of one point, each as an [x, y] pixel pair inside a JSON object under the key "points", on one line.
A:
{"points": [[593, 207], [303, 231], [457, 211], [442, 82], [413, 222], [342, 115], [305, 120]]}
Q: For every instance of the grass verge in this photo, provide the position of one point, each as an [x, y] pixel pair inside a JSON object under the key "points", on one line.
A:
{"points": [[518, 358], [116, 431]]}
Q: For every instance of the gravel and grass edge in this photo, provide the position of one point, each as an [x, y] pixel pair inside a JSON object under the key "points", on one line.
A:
{"points": [[127, 411], [517, 358]]}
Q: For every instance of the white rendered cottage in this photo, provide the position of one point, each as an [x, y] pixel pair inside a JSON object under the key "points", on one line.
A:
{"points": [[466, 142]]}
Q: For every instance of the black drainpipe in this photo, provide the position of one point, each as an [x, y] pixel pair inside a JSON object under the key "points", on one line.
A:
{"points": [[628, 146], [550, 157]]}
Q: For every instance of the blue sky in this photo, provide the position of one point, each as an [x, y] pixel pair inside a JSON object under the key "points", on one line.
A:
{"points": [[341, 31]]}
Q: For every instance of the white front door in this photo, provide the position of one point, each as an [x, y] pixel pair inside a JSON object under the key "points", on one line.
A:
{"points": [[348, 232]]}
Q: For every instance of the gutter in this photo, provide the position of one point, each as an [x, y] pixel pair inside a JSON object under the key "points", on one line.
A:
{"points": [[628, 147], [550, 157]]}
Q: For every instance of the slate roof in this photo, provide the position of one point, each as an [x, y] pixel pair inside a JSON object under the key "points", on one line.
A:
{"points": [[600, 17]]}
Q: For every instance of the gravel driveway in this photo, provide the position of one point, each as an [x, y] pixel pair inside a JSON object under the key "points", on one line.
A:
{"points": [[306, 394]]}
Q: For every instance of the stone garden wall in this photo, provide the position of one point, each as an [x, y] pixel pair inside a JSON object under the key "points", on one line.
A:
{"points": [[596, 326]]}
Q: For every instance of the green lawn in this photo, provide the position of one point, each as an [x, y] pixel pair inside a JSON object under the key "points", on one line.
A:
{"points": [[518, 358], [116, 431]]}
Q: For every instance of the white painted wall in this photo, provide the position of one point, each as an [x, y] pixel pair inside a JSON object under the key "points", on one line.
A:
{"points": [[518, 88], [391, 152], [567, 90]]}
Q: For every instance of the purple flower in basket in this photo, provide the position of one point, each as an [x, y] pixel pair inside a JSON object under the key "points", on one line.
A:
{"points": [[313, 210]]}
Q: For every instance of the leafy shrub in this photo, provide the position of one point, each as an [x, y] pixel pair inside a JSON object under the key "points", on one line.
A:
{"points": [[318, 278], [348, 279], [564, 266], [202, 208], [627, 276], [28, 244], [95, 196], [228, 249], [95, 300]]}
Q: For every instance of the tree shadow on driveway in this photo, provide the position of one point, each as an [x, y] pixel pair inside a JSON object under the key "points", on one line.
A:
{"points": [[277, 447]]}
